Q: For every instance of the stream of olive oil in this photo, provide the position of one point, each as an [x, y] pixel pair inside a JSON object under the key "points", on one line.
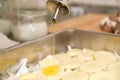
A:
{"points": [[53, 38], [53, 69]]}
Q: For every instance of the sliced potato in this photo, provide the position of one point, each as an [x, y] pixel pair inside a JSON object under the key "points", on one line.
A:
{"points": [[114, 67], [87, 55], [75, 75], [63, 58], [48, 61], [28, 76], [74, 52], [104, 75], [73, 63], [93, 66], [105, 56]]}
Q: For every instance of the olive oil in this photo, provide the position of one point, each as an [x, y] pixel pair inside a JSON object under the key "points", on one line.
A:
{"points": [[53, 69], [54, 38], [50, 70]]}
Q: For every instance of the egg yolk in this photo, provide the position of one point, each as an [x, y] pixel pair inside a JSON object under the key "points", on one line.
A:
{"points": [[50, 70]]}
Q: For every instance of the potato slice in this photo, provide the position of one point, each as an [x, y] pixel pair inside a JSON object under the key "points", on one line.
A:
{"points": [[93, 66], [73, 63], [28, 76], [63, 58], [48, 61], [74, 52], [75, 75], [105, 56], [86, 55], [114, 67], [104, 75]]}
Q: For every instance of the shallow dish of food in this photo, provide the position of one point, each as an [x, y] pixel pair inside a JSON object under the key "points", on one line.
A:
{"points": [[81, 47]]}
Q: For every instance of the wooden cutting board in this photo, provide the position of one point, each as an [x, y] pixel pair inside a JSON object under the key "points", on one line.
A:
{"points": [[89, 22]]}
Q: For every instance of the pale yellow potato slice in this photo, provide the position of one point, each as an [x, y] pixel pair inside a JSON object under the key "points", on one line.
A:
{"points": [[48, 61], [68, 62], [104, 75], [87, 55], [73, 63], [85, 50], [114, 67], [75, 75], [105, 56], [63, 58], [93, 66], [28, 76], [74, 52]]}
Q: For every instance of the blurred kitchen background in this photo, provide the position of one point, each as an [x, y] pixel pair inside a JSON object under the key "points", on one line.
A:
{"points": [[82, 7], [78, 7], [14, 13]]}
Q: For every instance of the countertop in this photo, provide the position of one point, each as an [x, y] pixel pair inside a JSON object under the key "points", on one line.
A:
{"points": [[89, 22]]}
